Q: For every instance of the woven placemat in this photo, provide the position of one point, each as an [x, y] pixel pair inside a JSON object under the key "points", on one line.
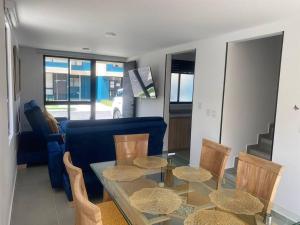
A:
{"points": [[155, 200], [236, 201], [192, 174], [212, 217], [150, 162], [122, 173]]}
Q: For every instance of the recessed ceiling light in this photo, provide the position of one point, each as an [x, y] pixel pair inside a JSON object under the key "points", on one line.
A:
{"points": [[110, 34]]}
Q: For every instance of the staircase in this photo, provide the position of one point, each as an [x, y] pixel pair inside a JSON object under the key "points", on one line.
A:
{"points": [[264, 147], [263, 150]]}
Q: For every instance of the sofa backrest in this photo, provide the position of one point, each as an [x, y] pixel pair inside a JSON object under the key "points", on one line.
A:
{"points": [[95, 123], [95, 143], [36, 119]]}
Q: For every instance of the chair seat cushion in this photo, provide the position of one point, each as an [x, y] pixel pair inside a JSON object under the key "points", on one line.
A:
{"points": [[110, 214]]}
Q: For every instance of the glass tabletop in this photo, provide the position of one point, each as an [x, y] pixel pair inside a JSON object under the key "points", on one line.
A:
{"points": [[194, 195]]}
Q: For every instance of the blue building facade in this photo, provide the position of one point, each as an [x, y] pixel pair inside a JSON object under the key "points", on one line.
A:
{"points": [[58, 84]]}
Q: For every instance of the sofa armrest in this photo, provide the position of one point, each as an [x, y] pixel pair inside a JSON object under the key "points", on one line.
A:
{"points": [[60, 119], [55, 137], [55, 163]]}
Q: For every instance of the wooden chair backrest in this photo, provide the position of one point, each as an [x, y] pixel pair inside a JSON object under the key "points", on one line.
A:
{"points": [[88, 213], [213, 158], [72, 172], [131, 146], [259, 177]]}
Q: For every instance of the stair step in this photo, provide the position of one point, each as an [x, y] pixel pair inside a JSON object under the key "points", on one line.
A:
{"points": [[266, 147], [230, 174], [259, 153], [266, 135], [261, 148], [271, 129]]}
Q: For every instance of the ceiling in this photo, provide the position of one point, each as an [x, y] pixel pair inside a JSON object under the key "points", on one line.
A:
{"points": [[140, 25]]}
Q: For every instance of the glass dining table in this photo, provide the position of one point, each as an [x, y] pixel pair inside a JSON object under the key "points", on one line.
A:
{"points": [[194, 195]]}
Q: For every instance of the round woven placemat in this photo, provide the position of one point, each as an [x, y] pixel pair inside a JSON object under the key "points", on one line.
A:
{"points": [[155, 200], [150, 162], [192, 174], [122, 173], [212, 217], [236, 201]]}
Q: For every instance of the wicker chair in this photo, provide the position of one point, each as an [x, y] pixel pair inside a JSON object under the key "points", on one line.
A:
{"points": [[259, 177], [213, 158], [87, 213], [128, 147]]}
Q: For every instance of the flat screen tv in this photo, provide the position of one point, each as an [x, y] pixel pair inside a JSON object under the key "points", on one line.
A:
{"points": [[142, 83]]}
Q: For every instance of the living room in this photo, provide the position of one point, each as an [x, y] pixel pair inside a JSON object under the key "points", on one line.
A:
{"points": [[87, 62]]}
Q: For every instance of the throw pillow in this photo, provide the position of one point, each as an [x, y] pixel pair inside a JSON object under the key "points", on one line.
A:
{"points": [[52, 122]]}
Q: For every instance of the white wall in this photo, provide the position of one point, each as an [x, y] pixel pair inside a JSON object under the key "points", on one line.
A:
{"points": [[209, 75], [7, 146], [32, 82], [250, 92]]}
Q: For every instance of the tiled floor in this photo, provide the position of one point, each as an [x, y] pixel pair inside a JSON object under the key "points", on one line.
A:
{"points": [[184, 154], [36, 203]]}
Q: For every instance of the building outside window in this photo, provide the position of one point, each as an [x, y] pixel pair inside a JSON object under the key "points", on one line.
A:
{"points": [[71, 92], [182, 88]]}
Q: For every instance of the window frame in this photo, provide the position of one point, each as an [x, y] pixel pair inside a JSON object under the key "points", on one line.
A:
{"points": [[93, 88], [178, 90], [9, 78]]}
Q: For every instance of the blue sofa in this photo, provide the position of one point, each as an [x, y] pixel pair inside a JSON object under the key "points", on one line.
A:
{"points": [[32, 146], [92, 141]]}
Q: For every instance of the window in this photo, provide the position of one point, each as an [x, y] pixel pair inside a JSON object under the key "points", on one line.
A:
{"points": [[181, 88], [68, 87], [73, 89], [80, 80], [56, 79], [9, 78]]}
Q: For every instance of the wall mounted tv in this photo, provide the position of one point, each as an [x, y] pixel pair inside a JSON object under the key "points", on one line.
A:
{"points": [[142, 83]]}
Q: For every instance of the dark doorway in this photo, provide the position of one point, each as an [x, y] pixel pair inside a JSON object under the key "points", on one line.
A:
{"points": [[180, 102]]}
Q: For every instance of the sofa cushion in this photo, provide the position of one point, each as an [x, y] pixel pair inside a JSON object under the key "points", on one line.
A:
{"points": [[96, 123], [37, 120]]}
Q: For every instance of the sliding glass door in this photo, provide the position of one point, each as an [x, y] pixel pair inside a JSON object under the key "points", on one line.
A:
{"points": [[109, 92], [56, 85], [82, 89]]}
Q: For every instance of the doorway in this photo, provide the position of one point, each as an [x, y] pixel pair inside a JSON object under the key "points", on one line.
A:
{"points": [[250, 96], [180, 68]]}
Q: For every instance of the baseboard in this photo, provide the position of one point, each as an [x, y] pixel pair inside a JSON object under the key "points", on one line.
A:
{"points": [[12, 197], [285, 214]]}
